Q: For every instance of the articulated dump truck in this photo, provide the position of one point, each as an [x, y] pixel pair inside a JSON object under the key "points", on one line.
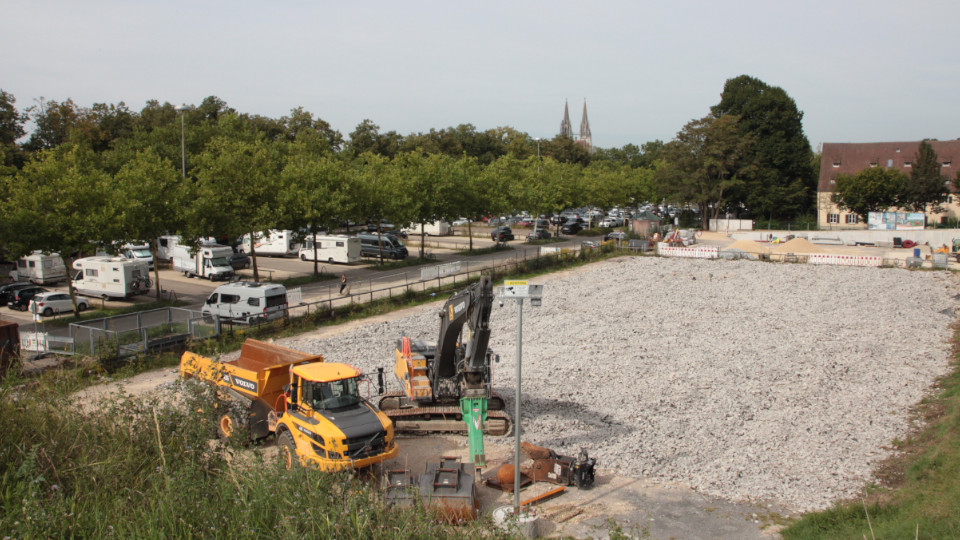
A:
{"points": [[314, 407]]}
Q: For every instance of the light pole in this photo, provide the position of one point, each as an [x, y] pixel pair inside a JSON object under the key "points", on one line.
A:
{"points": [[538, 139], [182, 109]]}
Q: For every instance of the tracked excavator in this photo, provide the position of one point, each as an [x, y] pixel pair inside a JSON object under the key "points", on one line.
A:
{"points": [[447, 385]]}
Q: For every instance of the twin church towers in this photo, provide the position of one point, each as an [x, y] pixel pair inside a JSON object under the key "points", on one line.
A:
{"points": [[566, 130]]}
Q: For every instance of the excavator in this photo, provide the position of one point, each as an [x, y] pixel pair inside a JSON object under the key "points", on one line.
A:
{"points": [[447, 384]]}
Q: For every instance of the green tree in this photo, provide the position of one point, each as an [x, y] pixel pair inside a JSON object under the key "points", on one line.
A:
{"points": [[874, 189], [11, 130], [53, 124], [782, 182], [237, 185], [56, 204], [148, 198], [705, 164], [927, 187]]}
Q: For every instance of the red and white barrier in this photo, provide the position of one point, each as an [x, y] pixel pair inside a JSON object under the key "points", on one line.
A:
{"points": [[702, 252], [845, 260]]}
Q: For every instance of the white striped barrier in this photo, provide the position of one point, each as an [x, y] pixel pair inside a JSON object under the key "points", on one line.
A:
{"points": [[703, 252], [845, 260]]}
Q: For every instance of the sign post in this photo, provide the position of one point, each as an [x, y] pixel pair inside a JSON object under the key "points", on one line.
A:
{"points": [[518, 290]]}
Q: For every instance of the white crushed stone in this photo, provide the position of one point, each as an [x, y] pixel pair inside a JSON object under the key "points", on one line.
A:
{"points": [[743, 380]]}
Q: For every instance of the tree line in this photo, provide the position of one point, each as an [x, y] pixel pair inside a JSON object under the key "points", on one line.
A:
{"points": [[104, 175]]}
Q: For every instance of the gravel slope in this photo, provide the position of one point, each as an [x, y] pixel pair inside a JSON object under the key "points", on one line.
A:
{"points": [[744, 380]]}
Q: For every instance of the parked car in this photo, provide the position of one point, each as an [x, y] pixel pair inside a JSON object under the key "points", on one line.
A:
{"points": [[619, 236], [460, 221], [239, 260], [539, 234], [384, 226], [572, 226], [49, 303], [611, 221], [501, 234], [21, 297], [7, 291]]}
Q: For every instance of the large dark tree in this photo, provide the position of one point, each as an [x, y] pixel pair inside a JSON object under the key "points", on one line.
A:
{"points": [[927, 187], [53, 124], [784, 183]]}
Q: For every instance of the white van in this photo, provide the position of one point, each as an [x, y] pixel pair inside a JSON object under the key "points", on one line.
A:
{"points": [[111, 277], [247, 302], [333, 249], [437, 228], [40, 268], [165, 245], [275, 243], [211, 261]]}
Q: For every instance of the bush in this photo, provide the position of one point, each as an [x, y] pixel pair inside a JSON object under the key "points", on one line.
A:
{"points": [[596, 231]]}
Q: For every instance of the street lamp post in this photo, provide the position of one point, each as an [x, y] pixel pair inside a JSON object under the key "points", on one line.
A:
{"points": [[182, 109], [538, 139]]}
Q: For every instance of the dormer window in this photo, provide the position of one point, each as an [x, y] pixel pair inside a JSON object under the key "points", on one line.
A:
{"points": [[836, 164], [873, 164], [946, 163], [908, 164]]}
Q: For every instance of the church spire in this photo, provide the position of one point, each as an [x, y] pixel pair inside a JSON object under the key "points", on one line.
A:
{"points": [[585, 139], [566, 130]]}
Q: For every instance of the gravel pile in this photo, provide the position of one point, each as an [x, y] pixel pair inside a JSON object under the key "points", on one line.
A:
{"points": [[743, 380]]}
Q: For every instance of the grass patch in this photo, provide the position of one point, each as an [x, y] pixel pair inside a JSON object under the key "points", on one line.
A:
{"points": [[487, 250], [303, 280], [99, 313], [542, 241], [596, 231], [920, 485], [403, 263]]}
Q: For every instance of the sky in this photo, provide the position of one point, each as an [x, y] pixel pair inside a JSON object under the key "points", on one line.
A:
{"points": [[861, 71]]}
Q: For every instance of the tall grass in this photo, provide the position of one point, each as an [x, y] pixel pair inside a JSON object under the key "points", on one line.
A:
{"points": [[148, 469]]}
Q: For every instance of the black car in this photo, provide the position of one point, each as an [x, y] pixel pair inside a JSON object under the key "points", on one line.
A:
{"points": [[21, 298], [7, 291], [572, 226], [501, 234], [539, 234], [239, 260]]}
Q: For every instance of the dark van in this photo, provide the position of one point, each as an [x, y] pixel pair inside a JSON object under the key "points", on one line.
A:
{"points": [[393, 248]]}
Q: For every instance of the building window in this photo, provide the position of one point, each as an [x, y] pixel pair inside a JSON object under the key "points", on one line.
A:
{"points": [[852, 219], [836, 164], [949, 199], [946, 163], [873, 164], [833, 218], [908, 164], [890, 163]]}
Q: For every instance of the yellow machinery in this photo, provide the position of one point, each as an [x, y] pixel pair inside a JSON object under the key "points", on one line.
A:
{"points": [[314, 407]]}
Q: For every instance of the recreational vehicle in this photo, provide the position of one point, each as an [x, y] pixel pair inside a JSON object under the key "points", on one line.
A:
{"points": [[247, 302], [371, 245], [333, 249], [40, 268], [437, 228], [165, 245], [111, 277], [211, 261], [137, 252], [274, 244]]}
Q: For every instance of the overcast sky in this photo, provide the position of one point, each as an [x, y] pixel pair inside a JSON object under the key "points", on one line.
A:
{"points": [[860, 71]]}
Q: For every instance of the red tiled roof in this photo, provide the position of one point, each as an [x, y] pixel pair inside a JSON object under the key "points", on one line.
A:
{"points": [[851, 158]]}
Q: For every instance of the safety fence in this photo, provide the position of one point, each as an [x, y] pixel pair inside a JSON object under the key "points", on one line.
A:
{"points": [[699, 252], [845, 260]]}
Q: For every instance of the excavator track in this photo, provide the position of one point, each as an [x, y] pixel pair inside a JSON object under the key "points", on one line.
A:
{"points": [[443, 418]]}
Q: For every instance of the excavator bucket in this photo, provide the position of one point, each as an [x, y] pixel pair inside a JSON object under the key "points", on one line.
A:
{"points": [[475, 414]]}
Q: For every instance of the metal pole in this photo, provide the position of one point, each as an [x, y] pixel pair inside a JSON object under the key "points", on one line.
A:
{"points": [[516, 429], [183, 148]]}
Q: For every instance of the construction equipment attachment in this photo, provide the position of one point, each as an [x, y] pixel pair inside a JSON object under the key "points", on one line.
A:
{"points": [[548, 466]]}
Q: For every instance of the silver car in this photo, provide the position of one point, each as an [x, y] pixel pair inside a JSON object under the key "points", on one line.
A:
{"points": [[49, 303]]}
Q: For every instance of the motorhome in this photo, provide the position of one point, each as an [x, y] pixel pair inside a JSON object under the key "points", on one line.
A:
{"points": [[332, 249], [40, 268], [393, 248], [211, 261], [437, 228], [137, 252], [275, 243], [165, 245], [111, 277], [247, 302]]}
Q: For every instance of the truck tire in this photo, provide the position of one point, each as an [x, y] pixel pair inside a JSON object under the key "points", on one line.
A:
{"points": [[303, 257], [287, 451]]}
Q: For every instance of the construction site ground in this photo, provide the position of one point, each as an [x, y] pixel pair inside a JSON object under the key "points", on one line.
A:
{"points": [[660, 509]]}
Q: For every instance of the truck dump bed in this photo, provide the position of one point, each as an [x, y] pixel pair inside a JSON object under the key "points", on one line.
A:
{"points": [[259, 373]]}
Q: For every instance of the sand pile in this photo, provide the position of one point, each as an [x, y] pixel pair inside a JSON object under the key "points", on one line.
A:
{"points": [[796, 245], [750, 246]]}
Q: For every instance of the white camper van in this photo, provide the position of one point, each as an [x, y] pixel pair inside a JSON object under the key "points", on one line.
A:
{"points": [[437, 228], [274, 244], [165, 245], [247, 302], [40, 268], [332, 249], [137, 252], [211, 261], [111, 277]]}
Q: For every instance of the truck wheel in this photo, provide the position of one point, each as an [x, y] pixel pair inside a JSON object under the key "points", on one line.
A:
{"points": [[287, 450], [303, 257]]}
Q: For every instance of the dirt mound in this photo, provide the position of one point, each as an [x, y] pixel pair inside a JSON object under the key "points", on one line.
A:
{"points": [[749, 246], [797, 245]]}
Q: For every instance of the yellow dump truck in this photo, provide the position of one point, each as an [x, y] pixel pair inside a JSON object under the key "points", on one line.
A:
{"points": [[314, 407]]}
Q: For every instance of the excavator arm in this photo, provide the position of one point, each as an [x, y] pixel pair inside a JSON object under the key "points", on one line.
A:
{"points": [[454, 359]]}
